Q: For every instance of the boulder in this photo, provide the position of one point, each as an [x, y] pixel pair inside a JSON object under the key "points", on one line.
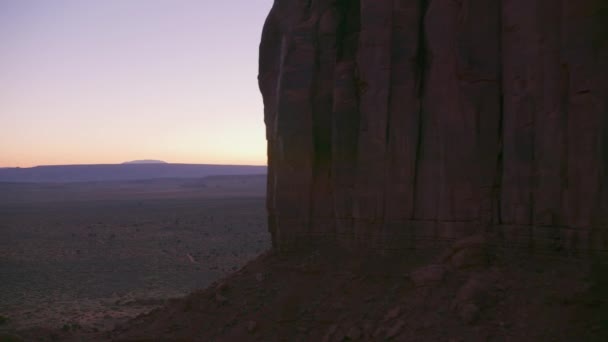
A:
{"points": [[428, 275]]}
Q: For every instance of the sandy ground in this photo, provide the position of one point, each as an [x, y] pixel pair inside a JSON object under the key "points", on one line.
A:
{"points": [[92, 255]]}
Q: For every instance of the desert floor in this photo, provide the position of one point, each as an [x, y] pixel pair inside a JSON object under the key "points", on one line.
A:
{"points": [[97, 254]]}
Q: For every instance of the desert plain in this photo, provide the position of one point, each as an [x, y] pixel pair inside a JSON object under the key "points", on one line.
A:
{"points": [[95, 254]]}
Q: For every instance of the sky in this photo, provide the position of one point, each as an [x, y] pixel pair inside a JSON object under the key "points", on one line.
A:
{"points": [[103, 82]]}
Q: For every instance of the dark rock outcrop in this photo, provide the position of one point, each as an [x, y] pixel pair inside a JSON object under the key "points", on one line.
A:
{"points": [[393, 124]]}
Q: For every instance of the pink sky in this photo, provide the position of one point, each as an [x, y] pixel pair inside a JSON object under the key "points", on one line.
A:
{"points": [[89, 81]]}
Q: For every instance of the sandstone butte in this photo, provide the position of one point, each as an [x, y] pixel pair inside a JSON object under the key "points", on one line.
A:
{"points": [[441, 150], [395, 124]]}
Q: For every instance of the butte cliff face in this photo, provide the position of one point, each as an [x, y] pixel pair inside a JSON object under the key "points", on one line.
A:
{"points": [[392, 124]]}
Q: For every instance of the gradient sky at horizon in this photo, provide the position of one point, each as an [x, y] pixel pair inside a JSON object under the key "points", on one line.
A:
{"points": [[95, 82]]}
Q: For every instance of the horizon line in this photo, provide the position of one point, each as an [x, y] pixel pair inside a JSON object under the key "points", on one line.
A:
{"points": [[127, 164]]}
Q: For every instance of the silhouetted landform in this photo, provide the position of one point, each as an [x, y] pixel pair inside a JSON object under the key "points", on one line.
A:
{"points": [[118, 172], [396, 123], [145, 161]]}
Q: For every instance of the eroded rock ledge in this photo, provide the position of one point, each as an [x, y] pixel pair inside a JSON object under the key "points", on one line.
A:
{"points": [[395, 124]]}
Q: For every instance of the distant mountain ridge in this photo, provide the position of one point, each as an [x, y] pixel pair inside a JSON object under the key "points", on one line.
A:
{"points": [[118, 172], [146, 161]]}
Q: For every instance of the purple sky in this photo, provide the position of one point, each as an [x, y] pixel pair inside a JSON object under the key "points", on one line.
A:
{"points": [[105, 81]]}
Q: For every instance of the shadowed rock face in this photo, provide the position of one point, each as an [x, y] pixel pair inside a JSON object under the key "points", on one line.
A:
{"points": [[393, 124]]}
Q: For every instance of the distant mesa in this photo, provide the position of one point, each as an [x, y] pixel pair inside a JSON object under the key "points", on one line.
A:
{"points": [[133, 170], [145, 161]]}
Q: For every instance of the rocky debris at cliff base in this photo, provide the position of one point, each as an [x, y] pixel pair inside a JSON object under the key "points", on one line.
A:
{"points": [[468, 312], [482, 289], [353, 333], [252, 326], [468, 252], [395, 329], [220, 299], [428, 275], [508, 299], [392, 314], [330, 333], [501, 300]]}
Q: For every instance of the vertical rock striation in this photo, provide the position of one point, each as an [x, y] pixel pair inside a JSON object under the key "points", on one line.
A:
{"points": [[393, 124]]}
